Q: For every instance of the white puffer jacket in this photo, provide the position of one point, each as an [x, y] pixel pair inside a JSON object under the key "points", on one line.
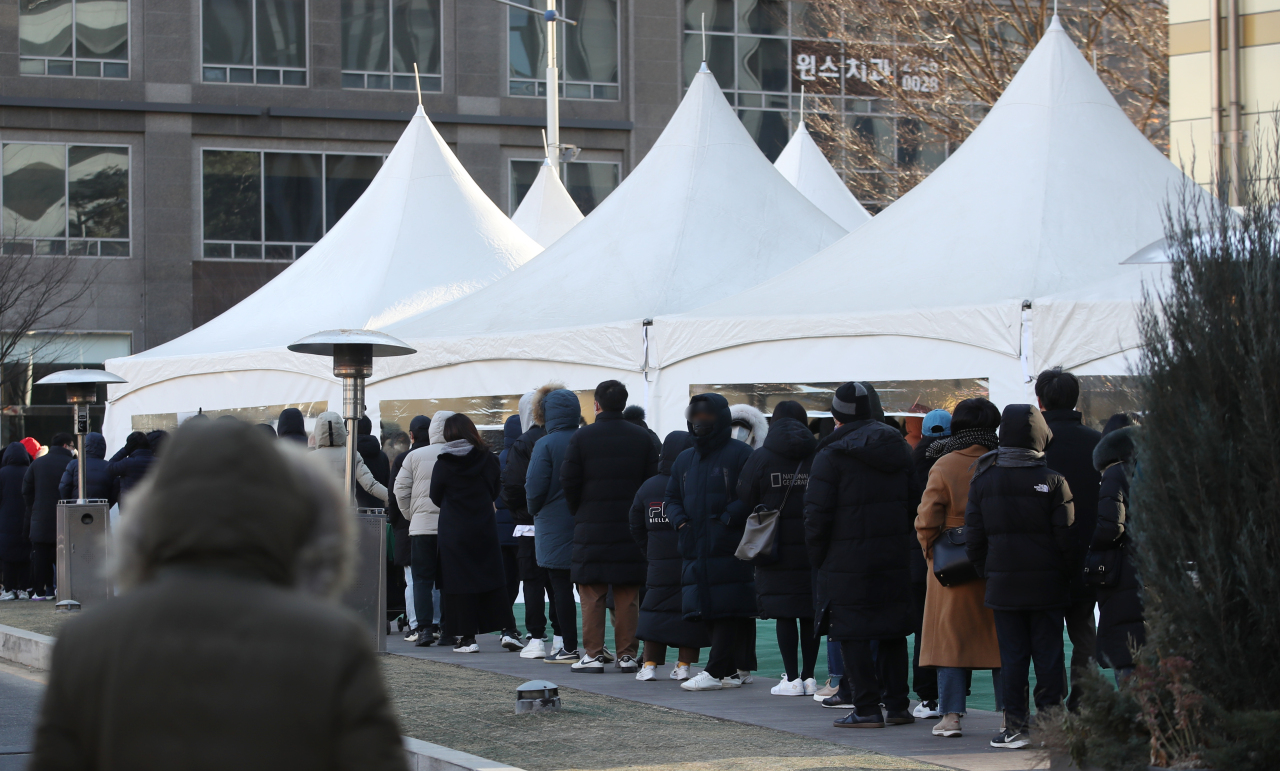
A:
{"points": [[412, 487], [330, 435]]}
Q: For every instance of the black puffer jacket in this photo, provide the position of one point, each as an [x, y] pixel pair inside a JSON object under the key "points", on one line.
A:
{"points": [[513, 475], [702, 503], [1120, 622], [1071, 455], [376, 461], [98, 484], [128, 467], [14, 544], [40, 489], [785, 588], [859, 526], [506, 526], [464, 486], [661, 614], [604, 465], [1018, 520], [401, 554]]}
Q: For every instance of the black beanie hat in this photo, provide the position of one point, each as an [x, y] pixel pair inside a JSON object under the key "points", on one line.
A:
{"points": [[851, 403]]}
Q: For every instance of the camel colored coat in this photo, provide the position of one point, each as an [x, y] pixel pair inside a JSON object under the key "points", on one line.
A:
{"points": [[959, 629]]}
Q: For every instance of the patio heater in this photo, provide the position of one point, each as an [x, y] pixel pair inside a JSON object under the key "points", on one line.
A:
{"points": [[83, 524], [353, 352]]}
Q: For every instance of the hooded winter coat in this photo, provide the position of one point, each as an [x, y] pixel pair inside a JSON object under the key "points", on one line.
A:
{"points": [[785, 588], [1071, 455], [1120, 614], [98, 481], [749, 425], [463, 487], [1018, 519], [604, 465], [413, 484], [400, 523], [859, 529], [40, 491], [129, 465], [227, 555], [702, 503], [661, 611], [506, 526], [532, 421], [553, 531], [14, 544], [331, 454], [291, 425], [370, 450]]}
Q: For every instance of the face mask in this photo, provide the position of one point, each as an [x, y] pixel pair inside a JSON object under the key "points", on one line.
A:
{"points": [[703, 427]]}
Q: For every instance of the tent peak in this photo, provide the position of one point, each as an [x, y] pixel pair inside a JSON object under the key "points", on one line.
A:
{"points": [[704, 68], [1055, 23], [419, 111]]}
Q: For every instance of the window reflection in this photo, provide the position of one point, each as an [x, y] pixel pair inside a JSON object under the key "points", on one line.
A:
{"points": [[98, 192], [383, 39], [895, 395], [589, 51], [254, 41], [83, 38], [346, 177], [764, 64], [53, 192], [292, 197], [35, 202]]}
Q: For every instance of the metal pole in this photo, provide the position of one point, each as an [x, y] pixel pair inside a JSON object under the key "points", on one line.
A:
{"points": [[553, 90], [352, 406], [1233, 86], [1215, 87], [81, 495]]}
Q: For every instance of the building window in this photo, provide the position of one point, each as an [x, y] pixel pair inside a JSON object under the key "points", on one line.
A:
{"points": [[588, 51], [254, 41], [74, 38], [588, 182], [383, 39], [65, 199], [275, 206]]}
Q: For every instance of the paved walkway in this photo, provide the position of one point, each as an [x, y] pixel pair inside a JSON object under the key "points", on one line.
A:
{"points": [[754, 704], [20, 692]]}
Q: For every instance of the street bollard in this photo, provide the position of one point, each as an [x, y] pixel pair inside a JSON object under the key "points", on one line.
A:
{"points": [[82, 554], [367, 595]]}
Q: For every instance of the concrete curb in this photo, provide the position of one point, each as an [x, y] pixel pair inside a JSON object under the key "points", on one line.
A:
{"points": [[26, 648], [36, 651]]}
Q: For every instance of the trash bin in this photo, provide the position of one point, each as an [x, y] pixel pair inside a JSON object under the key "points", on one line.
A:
{"points": [[82, 553], [367, 595]]}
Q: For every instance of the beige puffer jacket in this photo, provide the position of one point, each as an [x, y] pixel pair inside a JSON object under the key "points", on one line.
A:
{"points": [[330, 440], [412, 487]]}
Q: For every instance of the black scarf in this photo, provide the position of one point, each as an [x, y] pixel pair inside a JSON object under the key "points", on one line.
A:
{"points": [[961, 439]]}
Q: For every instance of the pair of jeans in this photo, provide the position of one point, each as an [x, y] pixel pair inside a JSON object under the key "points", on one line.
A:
{"points": [[924, 680], [875, 677], [732, 646], [44, 573], [626, 616], [566, 608], [1026, 636], [423, 559], [1082, 629], [656, 653], [793, 632], [953, 688], [835, 661], [537, 591]]}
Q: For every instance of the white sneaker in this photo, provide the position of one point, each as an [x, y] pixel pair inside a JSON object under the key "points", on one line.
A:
{"points": [[511, 643], [732, 681], [7, 596], [745, 677], [926, 709], [647, 673], [561, 656], [590, 666], [411, 635], [703, 682], [680, 672], [22, 594], [534, 649], [472, 647], [788, 687], [810, 687]]}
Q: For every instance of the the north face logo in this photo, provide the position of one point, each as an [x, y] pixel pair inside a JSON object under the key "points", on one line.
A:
{"points": [[1042, 488]]}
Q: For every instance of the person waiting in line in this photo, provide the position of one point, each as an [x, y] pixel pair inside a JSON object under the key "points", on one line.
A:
{"points": [[130, 463], [775, 473], [370, 451], [464, 483], [292, 426], [412, 489], [1121, 627], [934, 428], [959, 631], [662, 624], [506, 533], [330, 453], [1018, 535], [40, 490], [402, 553], [15, 547], [702, 503], [857, 529]]}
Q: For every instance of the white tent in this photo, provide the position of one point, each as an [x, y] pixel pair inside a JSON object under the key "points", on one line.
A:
{"points": [[421, 235], [1027, 222], [804, 166], [546, 212], [702, 217]]}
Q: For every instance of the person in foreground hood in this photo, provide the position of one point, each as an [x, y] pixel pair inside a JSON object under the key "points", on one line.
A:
{"points": [[778, 472], [412, 490], [539, 600], [465, 482], [15, 547], [1121, 626], [330, 453], [1018, 535], [662, 623], [857, 520], [702, 503], [229, 565], [553, 536], [40, 490]]}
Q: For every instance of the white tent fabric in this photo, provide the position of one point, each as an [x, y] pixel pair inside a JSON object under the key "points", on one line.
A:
{"points": [[421, 235], [703, 216], [546, 212], [804, 166]]}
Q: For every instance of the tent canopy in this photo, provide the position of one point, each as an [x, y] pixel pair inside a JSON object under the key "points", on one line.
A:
{"points": [[1051, 192], [804, 166], [546, 212]]}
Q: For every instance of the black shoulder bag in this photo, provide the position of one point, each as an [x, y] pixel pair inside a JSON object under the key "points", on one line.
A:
{"points": [[951, 565]]}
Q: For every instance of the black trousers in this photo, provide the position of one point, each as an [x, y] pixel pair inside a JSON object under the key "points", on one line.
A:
{"points": [[13, 576], [789, 638], [537, 590], [875, 676], [1082, 628], [43, 571], [423, 558], [511, 572], [564, 606], [1026, 636], [733, 646], [923, 679]]}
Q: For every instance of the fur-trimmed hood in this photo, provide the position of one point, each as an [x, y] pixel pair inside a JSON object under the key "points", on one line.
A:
{"points": [[537, 408], [1115, 447], [753, 421]]}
